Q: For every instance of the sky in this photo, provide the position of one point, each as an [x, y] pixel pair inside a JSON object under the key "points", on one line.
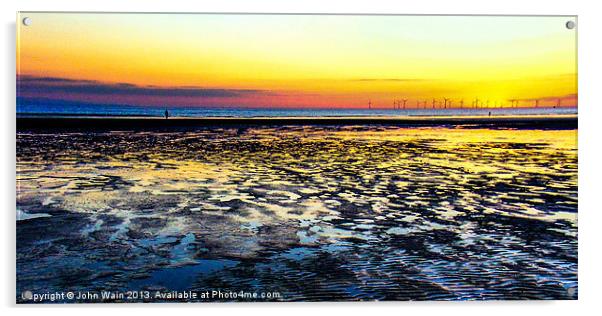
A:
{"points": [[296, 61]]}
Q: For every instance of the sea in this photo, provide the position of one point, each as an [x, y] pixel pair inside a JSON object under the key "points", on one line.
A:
{"points": [[297, 213], [54, 108]]}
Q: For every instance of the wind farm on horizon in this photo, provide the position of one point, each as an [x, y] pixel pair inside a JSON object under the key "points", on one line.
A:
{"points": [[475, 103]]}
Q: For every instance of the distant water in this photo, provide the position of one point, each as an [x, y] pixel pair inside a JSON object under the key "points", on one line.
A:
{"points": [[78, 109]]}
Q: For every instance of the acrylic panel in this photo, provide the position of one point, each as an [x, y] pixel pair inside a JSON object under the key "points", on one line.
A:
{"points": [[295, 157]]}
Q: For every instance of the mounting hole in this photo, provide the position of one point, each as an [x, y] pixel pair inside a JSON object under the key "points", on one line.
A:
{"points": [[570, 25], [26, 21]]}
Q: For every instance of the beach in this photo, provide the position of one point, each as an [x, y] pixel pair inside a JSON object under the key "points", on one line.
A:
{"points": [[295, 157], [104, 123], [353, 208]]}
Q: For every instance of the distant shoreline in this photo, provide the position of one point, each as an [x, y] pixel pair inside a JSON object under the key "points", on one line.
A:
{"points": [[131, 123]]}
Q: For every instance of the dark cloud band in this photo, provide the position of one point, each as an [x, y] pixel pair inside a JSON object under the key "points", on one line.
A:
{"points": [[44, 85]]}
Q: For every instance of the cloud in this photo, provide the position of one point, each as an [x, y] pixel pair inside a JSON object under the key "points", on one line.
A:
{"points": [[552, 98], [30, 79], [27, 85]]}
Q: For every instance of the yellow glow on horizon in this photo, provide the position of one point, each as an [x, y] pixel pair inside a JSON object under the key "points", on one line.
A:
{"points": [[339, 58]]}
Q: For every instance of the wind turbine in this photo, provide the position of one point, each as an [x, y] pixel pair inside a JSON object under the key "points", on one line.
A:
{"points": [[558, 103], [369, 104], [404, 103], [536, 103], [445, 102], [462, 103]]}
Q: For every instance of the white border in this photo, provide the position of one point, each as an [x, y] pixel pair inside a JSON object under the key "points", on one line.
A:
{"points": [[589, 149]]}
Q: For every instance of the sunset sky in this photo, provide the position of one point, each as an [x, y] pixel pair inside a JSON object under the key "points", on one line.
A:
{"points": [[295, 60]]}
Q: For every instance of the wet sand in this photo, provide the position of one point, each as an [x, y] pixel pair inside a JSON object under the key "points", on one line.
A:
{"points": [[313, 212], [45, 123]]}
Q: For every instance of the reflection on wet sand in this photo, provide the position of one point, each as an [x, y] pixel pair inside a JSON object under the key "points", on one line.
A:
{"points": [[315, 213]]}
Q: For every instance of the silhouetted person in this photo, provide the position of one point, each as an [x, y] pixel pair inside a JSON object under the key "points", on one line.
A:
{"points": [[166, 114], [489, 113]]}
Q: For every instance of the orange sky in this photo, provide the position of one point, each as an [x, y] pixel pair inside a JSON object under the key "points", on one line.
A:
{"points": [[296, 60]]}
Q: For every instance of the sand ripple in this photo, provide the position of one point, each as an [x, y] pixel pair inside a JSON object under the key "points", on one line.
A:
{"points": [[314, 213]]}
